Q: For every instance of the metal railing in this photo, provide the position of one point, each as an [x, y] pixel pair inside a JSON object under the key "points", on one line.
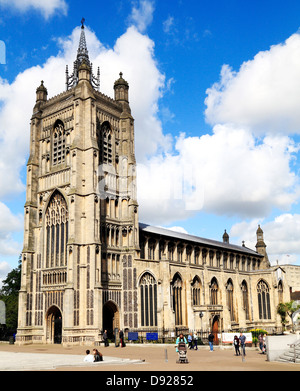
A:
{"points": [[294, 346]]}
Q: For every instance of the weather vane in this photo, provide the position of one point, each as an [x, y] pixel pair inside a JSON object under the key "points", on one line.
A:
{"points": [[82, 22]]}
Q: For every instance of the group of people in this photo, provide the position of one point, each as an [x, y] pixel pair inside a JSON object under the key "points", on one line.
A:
{"points": [[121, 337], [193, 341], [240, 342], [95, 357]]}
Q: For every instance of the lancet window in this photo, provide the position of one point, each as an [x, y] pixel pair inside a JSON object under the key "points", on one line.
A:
{"points": [[229, 290], [214, 288], [196, 291], [177, 298], [245, 299]]}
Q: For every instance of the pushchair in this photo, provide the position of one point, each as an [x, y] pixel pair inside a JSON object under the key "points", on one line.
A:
{"points": [[182, 349]]}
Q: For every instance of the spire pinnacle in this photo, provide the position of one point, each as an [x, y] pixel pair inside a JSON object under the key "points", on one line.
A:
{"points": [[82, 59], [82, 52]]}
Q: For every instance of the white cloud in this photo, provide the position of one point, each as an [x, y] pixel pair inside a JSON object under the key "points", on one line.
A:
{"points": [[46, 7], [281, 236], [168, 24], [263, 95], [5, 268], [9, 223], [227, 173], [142, 15]]}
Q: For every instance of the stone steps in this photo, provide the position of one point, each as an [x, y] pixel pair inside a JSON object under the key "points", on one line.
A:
{"points": [[289, 355]]}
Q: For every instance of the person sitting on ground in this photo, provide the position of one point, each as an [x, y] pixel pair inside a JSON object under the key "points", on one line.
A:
{"points": [[97, 355], [89, 357]]}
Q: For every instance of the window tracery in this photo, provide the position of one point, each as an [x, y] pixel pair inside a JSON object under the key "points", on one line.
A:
{"points": [[56, 221], [148, 292], [263, 294], [58, 144]]}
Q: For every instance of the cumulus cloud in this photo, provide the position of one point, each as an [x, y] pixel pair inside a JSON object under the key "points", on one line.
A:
{"points": [[263, 95], [9, 223], [5, 268], [227, 173], [281, 236], [46, 7], [142, 14]]}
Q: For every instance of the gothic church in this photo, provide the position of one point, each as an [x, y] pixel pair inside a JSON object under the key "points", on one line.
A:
{"points": [[89, 265]]}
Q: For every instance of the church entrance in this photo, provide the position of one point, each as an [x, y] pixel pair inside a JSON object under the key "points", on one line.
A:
{"points": [[111, 318], [215, 329], [54, 325]]}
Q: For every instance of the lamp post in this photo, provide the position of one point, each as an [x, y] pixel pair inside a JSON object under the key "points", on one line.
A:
{"points": [[201, 316]]}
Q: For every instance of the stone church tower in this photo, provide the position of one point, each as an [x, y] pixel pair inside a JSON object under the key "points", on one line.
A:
{"points": [[81, 214]]}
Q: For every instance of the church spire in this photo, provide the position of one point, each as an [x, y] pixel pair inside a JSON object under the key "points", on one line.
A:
{"points": [[82, 52], [82, 59]]}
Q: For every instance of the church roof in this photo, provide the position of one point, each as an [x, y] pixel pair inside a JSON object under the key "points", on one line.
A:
{"points": [[200, 241]]}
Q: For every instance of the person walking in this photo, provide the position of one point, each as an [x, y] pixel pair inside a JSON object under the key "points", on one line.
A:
{"points": [[105, 338], [236, 343], [261, 342], [242, 339], [211, 338], [195, 340], [121, 335], [190, 340]]}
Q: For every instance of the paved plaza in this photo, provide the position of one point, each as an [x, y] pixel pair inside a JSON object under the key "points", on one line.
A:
{"points": [[143, 357]]}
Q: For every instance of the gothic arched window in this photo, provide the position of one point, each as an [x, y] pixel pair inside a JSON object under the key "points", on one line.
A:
{"points": [[56, 220], [263, 295], [58, 143], [196, 291], [245, 299], [280, 292], [148, 292], [105, 144], [214, 292], [229, 291], [177, 298]]}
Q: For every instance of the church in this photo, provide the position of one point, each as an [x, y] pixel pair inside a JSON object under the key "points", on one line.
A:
{"points": [[89, 265]]}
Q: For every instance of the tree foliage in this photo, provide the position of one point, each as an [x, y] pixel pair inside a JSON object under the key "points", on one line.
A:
{"points": [[287, 309], [9, 294]]}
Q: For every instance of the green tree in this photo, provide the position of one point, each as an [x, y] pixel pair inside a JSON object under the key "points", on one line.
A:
{"points": [[9, 294], [287, 309]]}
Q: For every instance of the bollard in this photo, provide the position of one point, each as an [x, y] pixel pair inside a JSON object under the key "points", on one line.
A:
{"points": [[166, 355]]}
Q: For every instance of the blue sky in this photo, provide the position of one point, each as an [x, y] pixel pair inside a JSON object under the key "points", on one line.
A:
{"points": [[215, 92]]}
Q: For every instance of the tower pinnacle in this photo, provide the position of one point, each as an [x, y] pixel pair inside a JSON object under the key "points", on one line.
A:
{"points": [[82, 58]]}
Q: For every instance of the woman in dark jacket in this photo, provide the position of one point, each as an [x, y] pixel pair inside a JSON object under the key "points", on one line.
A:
{"points": [[236, 343]]}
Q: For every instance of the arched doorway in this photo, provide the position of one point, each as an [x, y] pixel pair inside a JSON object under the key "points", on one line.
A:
{"points": [[111, 318], [54, 325], [215, 329]]}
